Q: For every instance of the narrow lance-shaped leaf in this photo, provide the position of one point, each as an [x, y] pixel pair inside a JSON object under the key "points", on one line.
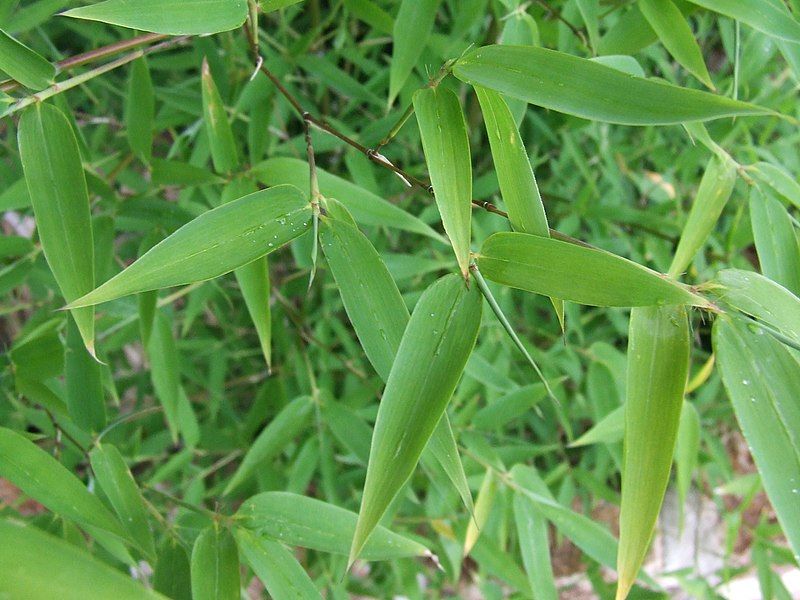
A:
{"points": [[761, 298], [57, 186], [275, 566], [253, 279], [140, 110], [85, 395], [534, 546], [46, 480], [715, 189], [39, 566], [776, 241], [687, 447], [764, 16], [273, 439], [570, 84], [119, 486], [483, 507], [379, 317], [218, 129], [23, 64], [674, 32], [213, 244], [172, 572], [432, 354], [514, 173], [576, 273], [412, 28], [762, 378], [215, 565], [187, 17], [311, 523], [446, 146], [658, 362], [164, 370]]}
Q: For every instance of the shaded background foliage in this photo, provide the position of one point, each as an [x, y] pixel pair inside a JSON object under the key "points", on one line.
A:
{"points": [[143, 132]]}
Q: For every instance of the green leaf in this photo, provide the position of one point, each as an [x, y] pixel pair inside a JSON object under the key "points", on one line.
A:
{"points": [[608, 430], [39, 566], [534, 546], [763, 381], [570, 84], [367, 208], [85, 396], [715, 189], [483, 507], [514, 173], [215, 565], [215, 243], [140, 106], [23, 64], [776, 242], [369, 294], [446, 146], [47, 481], [310, 523], [761, 298], [164, 370], [659, 344], [758, 14], [674, 32], [687, 448], [270, 5], [277, 569], [253, 280], [172, 572], [273, 439], [181, 17], [593, 539], [432, 354], [218, 129], [576, 273], [511, 406], [119, 486], [780, 180], [444, 450], [57, 186], [412, 28]]}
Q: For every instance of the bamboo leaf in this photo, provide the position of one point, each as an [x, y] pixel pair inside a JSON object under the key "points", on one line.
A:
{"points": [[57, 186], [576, 273], [758, 14], [687, 448], [369, 294], [119, 486], [776, 242], [569, 84], [779, 180], [412, 28], [218, 129], [23, 64], [182, 17], [608, 430], [444, 450], [47, 481], [446, 146], [277, 569], [762, 378], [309, 523], [534, 545], [712, 196], [658, 362], [172, 571], [39, 566], [761, 298], [164, 371], [366, 207], [273, 439], [432, 354], [215, 565], [215, 243], [140, 110], [483, 507], [85, 396], [253, 280], [674, 32]]}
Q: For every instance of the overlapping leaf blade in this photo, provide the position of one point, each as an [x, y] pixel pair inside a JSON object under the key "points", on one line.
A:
{"points": [[432, 354], [23, 64], [412, 28], [569, 84], [446, 146], [576, 273], [213, 244], [758, 14], [658, 363], [215, 565], [179, 17]]}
